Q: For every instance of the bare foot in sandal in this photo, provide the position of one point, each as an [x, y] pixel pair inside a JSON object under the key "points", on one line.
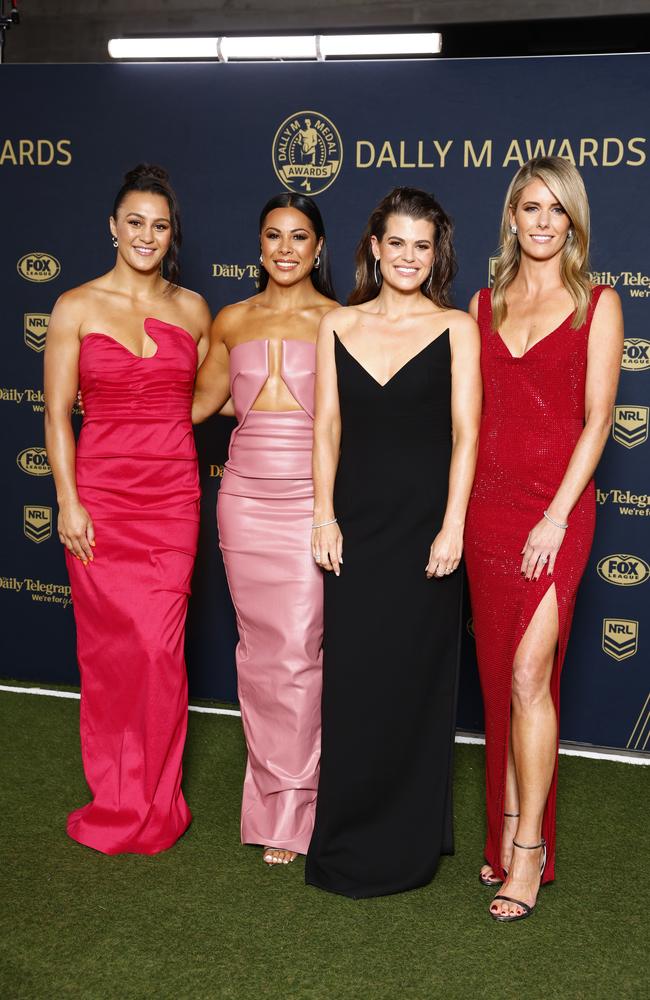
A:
{"points": [[487, 876], [278, 856]]}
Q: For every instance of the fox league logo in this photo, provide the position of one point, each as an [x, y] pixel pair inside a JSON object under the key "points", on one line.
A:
{"points": [[38, 267], [623, 570], [620, 637], [636, 354], [34, 462], [37, 523]]}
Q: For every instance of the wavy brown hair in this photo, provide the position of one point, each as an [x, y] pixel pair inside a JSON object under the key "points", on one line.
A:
{"points": [[153, 179], [416, 204], [565, 182]]}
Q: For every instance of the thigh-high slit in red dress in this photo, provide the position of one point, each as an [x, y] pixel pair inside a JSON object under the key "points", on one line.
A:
{"points": [[533, 415]]}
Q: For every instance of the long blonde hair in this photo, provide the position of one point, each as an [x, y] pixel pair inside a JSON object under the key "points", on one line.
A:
{"points": [[565, 182]]}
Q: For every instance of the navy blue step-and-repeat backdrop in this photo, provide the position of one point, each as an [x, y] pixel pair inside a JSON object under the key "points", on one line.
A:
{"points": [[232, 136]]}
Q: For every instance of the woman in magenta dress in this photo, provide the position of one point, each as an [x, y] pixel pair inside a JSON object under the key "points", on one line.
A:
{"points": [[550, 355], [128, 497], [263, 353]]}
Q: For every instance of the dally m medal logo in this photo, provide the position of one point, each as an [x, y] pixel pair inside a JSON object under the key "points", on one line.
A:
{"points": [[620, 637], [34, 462], [38, 267], [623, 570], [35, 328], [37, 523], [630, 425], [492, 268], [636, 354], [307, 152]]}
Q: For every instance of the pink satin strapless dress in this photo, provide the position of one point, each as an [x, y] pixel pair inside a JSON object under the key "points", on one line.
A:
{"points": [[265, 515], [137, 476]]}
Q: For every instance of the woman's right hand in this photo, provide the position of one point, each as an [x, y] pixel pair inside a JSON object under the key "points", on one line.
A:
{"points": [[327, 547], [76, 531]]}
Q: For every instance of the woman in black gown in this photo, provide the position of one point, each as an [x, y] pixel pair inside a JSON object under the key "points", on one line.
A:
{"points": [[398, 399]]}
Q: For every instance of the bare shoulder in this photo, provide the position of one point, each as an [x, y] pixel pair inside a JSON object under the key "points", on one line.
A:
{"points": [[230, 319], [194, 307], [608, 306], [473, 304], [72, 306], [461, 324]]}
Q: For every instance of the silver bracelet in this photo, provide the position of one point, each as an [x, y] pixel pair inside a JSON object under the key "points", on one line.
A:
{"points": [[558, 524], [323, 523]]}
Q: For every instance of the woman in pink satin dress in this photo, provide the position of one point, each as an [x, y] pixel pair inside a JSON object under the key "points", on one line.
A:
{"points": [[128, 495], [263, 353]]}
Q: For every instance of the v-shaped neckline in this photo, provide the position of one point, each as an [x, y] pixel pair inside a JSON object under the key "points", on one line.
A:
{"points": [[519, 357], [383, 385]]}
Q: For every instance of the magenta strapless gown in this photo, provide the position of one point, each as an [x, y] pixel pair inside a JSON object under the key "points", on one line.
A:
{"points": [[265, 516], [137, 477]]}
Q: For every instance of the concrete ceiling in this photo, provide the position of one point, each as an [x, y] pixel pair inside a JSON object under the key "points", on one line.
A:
{"points": [[78, 30]]}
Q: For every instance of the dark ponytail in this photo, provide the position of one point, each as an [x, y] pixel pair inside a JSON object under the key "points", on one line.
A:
{"points": [[155, 180]]}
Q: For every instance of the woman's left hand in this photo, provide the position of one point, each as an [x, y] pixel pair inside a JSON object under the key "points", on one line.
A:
{"points": [[541, 549], [445, 552]]}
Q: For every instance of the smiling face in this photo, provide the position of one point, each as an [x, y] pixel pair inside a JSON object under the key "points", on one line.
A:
{"points": [[405, 252], [143, 230], [541, 221], [289, 245]]}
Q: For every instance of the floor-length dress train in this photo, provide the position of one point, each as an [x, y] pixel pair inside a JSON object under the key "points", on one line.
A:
{"points": [[533, 415], [265, 510], [137, 477], [384, 812]]}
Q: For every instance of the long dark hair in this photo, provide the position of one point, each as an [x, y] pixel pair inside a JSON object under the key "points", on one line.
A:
{"points": [[155, 180], [415, 204], [321, 277]]}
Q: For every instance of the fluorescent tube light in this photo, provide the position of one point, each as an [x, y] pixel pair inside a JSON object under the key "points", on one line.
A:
{"points": [[268, 47], [420, 43], [163, 48]]}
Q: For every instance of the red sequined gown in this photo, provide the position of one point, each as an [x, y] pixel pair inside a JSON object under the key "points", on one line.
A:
{"points": [[533, 415]]}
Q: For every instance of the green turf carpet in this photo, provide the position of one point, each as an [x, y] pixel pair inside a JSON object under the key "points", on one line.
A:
{"points": [[208, 920]]}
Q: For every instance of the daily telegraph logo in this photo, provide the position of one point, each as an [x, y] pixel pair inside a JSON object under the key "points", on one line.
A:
{"points": [[34, 462], [623, 570], [38, 267], [628, 502], [37, 523], [630, 425], [35, 329], [620, 637], [307, 152], [636, 354]]}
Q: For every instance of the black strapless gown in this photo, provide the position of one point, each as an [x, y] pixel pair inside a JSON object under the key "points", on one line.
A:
{"points": [[391, 647]]}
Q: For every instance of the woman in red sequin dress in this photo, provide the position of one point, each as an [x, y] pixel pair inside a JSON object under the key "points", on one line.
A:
{"points": [[550, 355], [128, 497]]}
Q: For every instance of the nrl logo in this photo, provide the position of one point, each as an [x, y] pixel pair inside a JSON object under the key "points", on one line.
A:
{"points": [[37, 523], [34, 330], [630, 425], [620, 637]]}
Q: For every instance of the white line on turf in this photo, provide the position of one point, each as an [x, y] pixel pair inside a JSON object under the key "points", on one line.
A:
{"points": [[460, 738]]}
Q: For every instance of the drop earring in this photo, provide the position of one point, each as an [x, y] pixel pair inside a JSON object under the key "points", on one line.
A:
{"points": [[317, 262], [377, 272], [513, 230], [114, 240]]}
